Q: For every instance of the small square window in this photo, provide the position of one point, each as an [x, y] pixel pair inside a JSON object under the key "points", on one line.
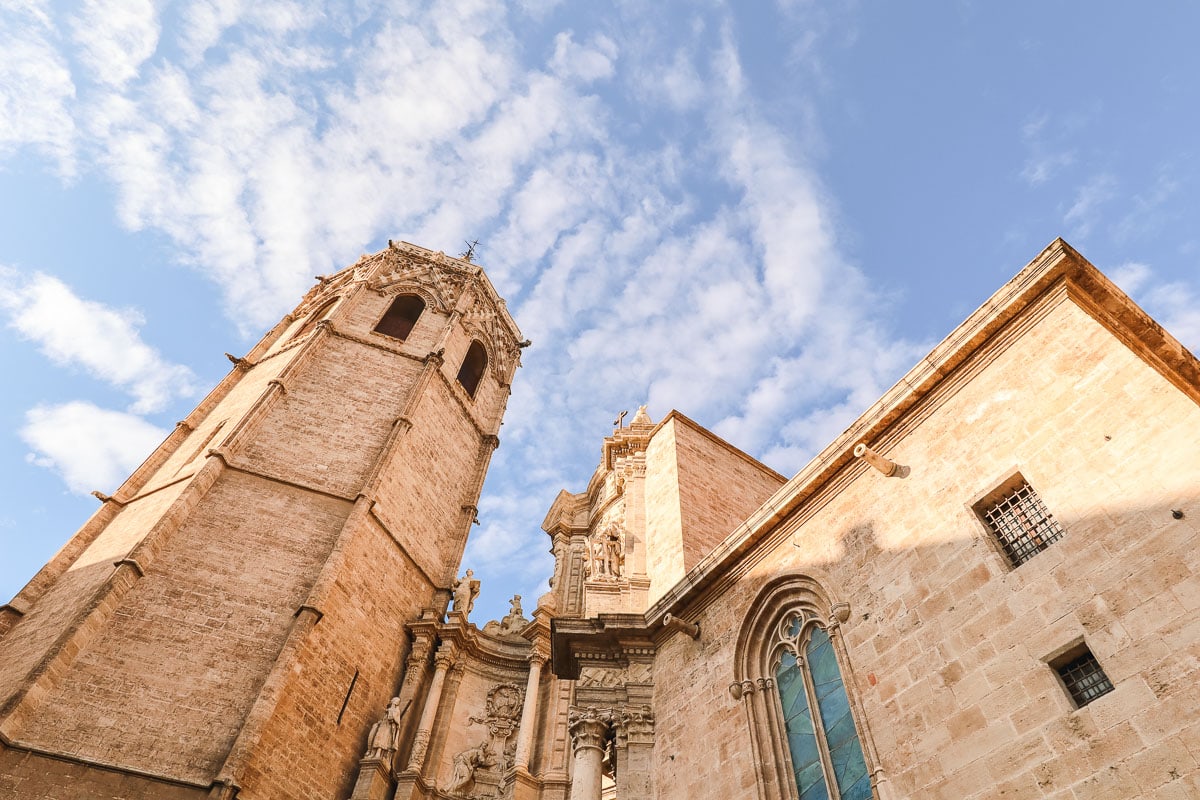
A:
{"points": [[1019, 519], [1082, 676]]}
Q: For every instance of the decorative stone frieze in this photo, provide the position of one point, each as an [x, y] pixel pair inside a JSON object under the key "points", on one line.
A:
{"points": [[402, 266]]}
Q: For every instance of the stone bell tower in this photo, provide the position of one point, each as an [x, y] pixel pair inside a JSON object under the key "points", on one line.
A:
{"points": [[231, 620]]}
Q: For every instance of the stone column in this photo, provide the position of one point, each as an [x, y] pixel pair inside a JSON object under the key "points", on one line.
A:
{"points": [[529, 711], [442, 661], [589, 729]]}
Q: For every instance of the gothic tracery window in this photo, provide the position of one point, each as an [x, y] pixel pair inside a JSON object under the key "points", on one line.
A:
{"points": [[826, 756], [794, 682]]}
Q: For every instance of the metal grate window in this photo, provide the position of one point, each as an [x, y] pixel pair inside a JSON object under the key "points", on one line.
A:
{"points": [[1022, 524], [1084, 678]]}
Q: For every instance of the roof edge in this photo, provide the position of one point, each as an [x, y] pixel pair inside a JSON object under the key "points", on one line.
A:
{"points": [[1089, 288], [717, 440]]}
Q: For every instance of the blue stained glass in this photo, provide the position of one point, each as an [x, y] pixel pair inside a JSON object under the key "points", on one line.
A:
{"points": [[849, 766], [802, 741]]}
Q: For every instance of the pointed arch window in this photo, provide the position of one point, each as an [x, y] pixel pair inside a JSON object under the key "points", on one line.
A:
{"points": [[473, 365], [826, 756], [794, 682], [401, 316]]}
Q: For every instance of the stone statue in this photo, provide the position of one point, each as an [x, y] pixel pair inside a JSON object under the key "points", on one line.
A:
{"points": [[514, 621], [596, 561], [559, 551], [614, 555], [466, 589], [384, 737], [607, 555], [465, 765]]}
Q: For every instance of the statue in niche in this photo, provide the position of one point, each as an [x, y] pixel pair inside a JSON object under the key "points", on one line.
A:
{"points": [[466, 764], [466, 589], [607, 555], [384, 738]]}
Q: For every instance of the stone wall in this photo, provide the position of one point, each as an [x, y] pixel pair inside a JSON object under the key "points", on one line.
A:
{"points": [[947, 644]]}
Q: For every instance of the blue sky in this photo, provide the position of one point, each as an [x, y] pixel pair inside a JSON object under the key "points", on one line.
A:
{"points": [[761, 214]]}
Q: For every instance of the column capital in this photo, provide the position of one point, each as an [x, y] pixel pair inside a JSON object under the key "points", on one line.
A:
{"points": [[634, 726], [445, 656], [588, 728]]}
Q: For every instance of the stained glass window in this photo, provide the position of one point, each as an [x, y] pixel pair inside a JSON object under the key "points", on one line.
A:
{"points": [[827, 758]]}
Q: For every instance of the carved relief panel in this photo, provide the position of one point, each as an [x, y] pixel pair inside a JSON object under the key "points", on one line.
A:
{"points": [[478, 772]]}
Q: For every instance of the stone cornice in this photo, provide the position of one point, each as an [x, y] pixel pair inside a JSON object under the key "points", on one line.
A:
{"points": [[606, 639], [473, 645]]}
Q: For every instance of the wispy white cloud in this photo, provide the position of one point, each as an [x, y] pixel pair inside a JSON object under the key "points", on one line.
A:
{"points": [[589, 62], [36, 88], [1048, 155], [1084, 213], [89, 447], [103, 341], [271, 142], [1148, 209], [1040, 168], [114, 38]]}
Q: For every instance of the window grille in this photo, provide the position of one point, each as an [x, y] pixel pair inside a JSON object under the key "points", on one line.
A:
{"points": [[1084, 678], [1022, 524]]}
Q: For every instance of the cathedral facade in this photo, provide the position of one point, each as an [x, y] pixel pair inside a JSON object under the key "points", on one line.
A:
{"points": [[987, 586]]}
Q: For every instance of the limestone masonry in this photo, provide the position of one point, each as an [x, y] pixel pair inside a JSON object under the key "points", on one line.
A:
{"points": [[987, 587]]}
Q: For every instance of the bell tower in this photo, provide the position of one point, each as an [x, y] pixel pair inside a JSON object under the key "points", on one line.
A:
{"points": [[232, 618]]}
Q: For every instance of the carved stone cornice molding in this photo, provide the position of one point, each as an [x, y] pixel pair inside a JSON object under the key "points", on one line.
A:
{"points": [[589, 728], [435, 276], [609, 640]]}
